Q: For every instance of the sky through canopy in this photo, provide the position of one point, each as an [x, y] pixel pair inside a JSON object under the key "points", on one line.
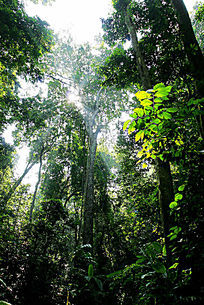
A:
{"points": [[80, 17]]}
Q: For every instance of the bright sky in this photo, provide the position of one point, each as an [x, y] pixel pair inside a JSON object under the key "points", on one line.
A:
{"points": [[80, 17]]}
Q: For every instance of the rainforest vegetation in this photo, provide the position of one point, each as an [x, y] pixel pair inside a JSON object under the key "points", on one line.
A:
{"points": [[115, 131]]}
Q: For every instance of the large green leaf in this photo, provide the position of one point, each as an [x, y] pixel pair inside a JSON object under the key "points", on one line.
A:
{"points": [[173, 204], [178, 196], [139, 135], [172, 109], [158, 86], [125, 125], [146, 102], [167, 115], [159, 267], [90, 270], [131, 127], [141, 95], [174, 266], [181, 188], [139, 111], [114, 274], [99, 283], [157, 246]]}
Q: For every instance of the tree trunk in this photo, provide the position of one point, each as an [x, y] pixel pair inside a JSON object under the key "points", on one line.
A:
{"points": [[166, 194], [18, 182], [191, 45], [193, 51], [143, 72], [82, 189], [89, 191], [36, 187]]}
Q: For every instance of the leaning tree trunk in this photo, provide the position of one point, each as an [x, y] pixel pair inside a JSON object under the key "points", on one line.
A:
{"points": [[18, 182], [142, 69], [36, 187], [165, 182]]}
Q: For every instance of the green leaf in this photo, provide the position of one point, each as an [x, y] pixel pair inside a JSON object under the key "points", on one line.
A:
{"points": [[162, 88], [126, 124], [140, 154], [156, 121], [99, 283], [146, 103], [160, 115], [160, 94], [139, 135], [173, 204], [114, 274], [173, 236], [153, 128], [158, 100], [173, 228], [174, 266], [133, 115], [140, 260], [164, 250], [195, 102], [178, 196], [157, 246], [141, 95], [181, 188], [139, 111], [157, 86], [159, 267], [131, 127], [177, 230], [90, 270], [4, 303], [161, 157], [146, 275], [167, 116], [147, 112], [148, 108], [172, 109]]}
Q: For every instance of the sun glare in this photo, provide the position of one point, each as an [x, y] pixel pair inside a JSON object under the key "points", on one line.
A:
{"points": [[81, 18]]}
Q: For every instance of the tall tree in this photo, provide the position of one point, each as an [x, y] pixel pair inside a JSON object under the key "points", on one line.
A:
{"points": [[98, 106], [165, 183]]}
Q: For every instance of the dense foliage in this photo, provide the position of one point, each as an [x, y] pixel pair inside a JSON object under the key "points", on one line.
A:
{"points": [[115, 215]]}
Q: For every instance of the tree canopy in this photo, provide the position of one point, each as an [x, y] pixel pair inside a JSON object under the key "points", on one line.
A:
{"points": [[115, 134]]}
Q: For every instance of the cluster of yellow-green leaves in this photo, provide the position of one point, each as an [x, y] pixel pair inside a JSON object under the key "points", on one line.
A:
{"points": [[150, 119]]}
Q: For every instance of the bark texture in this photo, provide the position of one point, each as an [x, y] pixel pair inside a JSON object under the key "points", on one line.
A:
{"points": [[89, 191]]}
